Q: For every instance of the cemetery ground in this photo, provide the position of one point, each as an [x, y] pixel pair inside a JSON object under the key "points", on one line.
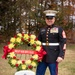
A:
{"points": [[67, 67]]}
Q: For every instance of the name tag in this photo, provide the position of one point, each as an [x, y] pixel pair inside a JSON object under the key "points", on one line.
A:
{"points": [[43, 30], [54, 30]]}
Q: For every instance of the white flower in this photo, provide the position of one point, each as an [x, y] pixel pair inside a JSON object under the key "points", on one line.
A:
{"points": [[18, 40], [23, 66], [26, 36], [38, 48], [32, 36], [12, 54], [12, 40], [38, 42], [32, 42], [34, 64], [35, 57], [11, 45], [13, 61], [19, 34], [28, 62], [19, 62]]}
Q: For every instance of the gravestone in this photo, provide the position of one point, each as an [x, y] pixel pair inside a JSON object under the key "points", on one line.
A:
{"points": [[25, 72]]}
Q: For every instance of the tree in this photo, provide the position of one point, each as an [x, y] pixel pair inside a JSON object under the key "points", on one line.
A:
{"points": [[27, 15], [9, 18]]}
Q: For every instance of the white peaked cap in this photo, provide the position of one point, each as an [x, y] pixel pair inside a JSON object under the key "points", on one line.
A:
{"points": [[50, 12]]}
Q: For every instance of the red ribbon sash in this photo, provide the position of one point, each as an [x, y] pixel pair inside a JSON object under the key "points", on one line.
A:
{"points": [[40, 53]]}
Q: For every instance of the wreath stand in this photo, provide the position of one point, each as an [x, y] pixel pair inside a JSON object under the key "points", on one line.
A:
{"points": [[25, 72]]}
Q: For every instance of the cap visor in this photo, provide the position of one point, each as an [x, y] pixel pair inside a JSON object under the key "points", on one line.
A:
{"points": [[50, 17]]}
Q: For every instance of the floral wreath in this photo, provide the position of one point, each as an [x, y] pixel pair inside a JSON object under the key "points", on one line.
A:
{"points": [[19, 39]]}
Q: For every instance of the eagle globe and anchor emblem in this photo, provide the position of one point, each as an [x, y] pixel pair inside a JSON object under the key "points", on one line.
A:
{"points": [[25, 66]]}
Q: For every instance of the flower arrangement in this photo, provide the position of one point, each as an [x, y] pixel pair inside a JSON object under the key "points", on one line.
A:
{"points": [[19, 39]]}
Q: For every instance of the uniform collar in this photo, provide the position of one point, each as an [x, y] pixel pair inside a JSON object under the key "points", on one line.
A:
{"points": [[50, 26]]}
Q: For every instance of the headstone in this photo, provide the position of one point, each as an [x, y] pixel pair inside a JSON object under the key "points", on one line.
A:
{"points": [[25, 72]]}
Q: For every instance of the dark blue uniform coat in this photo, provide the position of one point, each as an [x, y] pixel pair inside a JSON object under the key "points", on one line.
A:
{"points": [[53, 34]]}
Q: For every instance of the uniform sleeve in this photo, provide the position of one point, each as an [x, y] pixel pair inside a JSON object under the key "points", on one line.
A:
{"points": [[62, 42]]}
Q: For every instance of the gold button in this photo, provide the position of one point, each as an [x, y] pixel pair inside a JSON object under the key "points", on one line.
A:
{"points": [[47, 44], [47, 41], [47, 32], [47, 35], [47, 38]]}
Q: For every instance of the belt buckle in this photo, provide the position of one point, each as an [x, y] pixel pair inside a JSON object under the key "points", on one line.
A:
{"points": [[47, 44]]}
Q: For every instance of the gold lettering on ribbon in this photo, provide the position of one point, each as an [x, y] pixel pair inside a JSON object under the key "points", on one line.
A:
{"points": [[24, 51]]}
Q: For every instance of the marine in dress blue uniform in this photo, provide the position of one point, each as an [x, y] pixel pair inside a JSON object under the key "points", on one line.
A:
{"points": [[53, 40]]}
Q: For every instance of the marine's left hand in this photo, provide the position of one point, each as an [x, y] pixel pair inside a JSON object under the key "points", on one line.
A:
{"points": [[59, 59]]}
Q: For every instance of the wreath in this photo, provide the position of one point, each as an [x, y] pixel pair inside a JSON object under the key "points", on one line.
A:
{"points": [[19, 39]]}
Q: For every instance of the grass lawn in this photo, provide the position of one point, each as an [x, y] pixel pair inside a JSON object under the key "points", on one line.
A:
{"points": [[67, 67]]}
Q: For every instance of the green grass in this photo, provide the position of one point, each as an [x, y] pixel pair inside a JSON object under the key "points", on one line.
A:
{"points": [[67, 67], [71, 46]]}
